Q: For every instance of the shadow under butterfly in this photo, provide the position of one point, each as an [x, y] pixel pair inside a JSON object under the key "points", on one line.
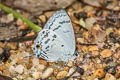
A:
{"points": [[56, 42]]}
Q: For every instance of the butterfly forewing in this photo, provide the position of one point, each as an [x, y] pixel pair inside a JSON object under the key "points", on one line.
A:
{"points": [[61, 24], [56, 42]]}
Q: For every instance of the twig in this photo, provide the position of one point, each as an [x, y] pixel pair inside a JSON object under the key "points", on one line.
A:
{"points": [[33, 26], [21, 39], [87, 44]]}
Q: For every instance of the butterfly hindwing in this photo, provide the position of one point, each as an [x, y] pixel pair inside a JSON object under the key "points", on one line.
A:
{"points": [[52, 46]]}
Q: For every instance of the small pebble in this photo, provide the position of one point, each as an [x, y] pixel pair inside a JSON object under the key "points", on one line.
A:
{"points": [[117, 75], [110, 69], [109, 77], [7, 19], [1, 51], [35, 61], [94, 53], [12, 45], [29, 78], [66, 68], [82, 22], [100, 72], [80, 70], [47, 73], [1, 68], [96, 79], [71, 70], [14, 78], [23, 27], [31, 34], [43, 62], [70, 64], [89, 22], [93, 48], [40, 67], [37, 75], [106, 53], [43, 18], [84, 48], [81, 14], [61, 74], [19, 69], [19, 22], [49, 14], [80, 40], [12, 69], [53, 78], [14, 59], [109, 30]]}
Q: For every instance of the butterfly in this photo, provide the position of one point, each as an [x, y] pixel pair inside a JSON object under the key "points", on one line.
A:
{"points": [[56, 41]]}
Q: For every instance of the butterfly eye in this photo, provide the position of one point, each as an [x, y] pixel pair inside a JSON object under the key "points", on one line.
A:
{"points": [[38, 46]]}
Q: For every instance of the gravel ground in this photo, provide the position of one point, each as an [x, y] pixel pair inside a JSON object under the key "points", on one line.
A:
{"points": [[97, 34]]}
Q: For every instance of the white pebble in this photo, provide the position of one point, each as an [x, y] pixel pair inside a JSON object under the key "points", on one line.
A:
{"points": [[96, 79], [7, 19], [109, 77], [25, 55], [70, 64], [37, 75], [12, 69], [14, 78], [90, 22], [29, 78], [40, 67], [32, 69], [19, 69], [1, 51], [71, 70], [35, 61], [47, 73], [19, 22], [62, 74]]}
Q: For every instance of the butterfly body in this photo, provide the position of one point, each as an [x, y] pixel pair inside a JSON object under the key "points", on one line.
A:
{"points": [[56, 40]]}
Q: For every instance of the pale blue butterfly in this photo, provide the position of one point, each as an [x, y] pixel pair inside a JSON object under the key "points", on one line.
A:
{"points": [[56, 42]]}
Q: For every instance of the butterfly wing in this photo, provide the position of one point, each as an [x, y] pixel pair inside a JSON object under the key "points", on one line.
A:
{"points": [[50, 46], [61, 24]]}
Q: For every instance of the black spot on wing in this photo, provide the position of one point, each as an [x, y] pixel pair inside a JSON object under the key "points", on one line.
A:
{"points": [[47, 41], [57, 28], [62, 45], [42, 54], [54, 17], [47, 47], [46, 34], [53, 39], [51, 24], [43, 32], [54, 36], [63, 22], [66, 31]]}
